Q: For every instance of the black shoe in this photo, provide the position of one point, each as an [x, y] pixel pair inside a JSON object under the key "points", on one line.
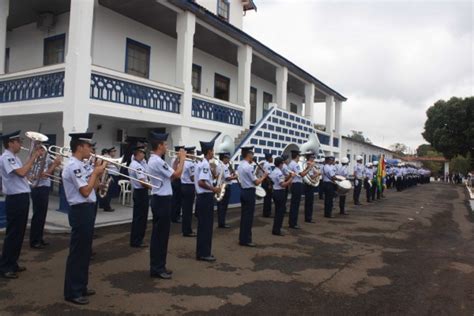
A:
{"points": [[20, 269], [359, 204], [178, 220], [109, 210], [81, 300], [309, 221], [224, 226], [169, 271], [295, 227], [208, 258], [190, 235], [250, 244], [278, 234], [161, 275], [37, 246], [44, 243], [88, 292], [139, 246], [344, 213], [329, 216], [10, 275]]}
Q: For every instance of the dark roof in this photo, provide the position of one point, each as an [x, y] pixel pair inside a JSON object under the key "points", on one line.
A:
{"points": [[249, 5], [368, 144], [245, 38]]}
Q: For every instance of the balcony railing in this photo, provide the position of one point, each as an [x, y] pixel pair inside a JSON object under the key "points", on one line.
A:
{"points": [[116, 87], [216, 110], [40, 83]]}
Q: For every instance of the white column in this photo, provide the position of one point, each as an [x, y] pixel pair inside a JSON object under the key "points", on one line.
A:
{"points": [[281, 87], [185, 28], [4, 11], [338, 114], [180, 135], [244, 58], [329, 114], [446, 170], [78, 68], [309, 101]]}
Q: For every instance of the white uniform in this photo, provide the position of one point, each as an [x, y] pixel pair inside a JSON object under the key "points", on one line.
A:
{"points": [[11, 182], [159, 168], [75, 176], [247, 177], [188, 172], [329, 171], [140, 167], [277, 178], [203, 172], [295, 167]]}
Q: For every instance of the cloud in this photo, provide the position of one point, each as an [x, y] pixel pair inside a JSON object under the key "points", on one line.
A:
{"points": [[392, 59]]}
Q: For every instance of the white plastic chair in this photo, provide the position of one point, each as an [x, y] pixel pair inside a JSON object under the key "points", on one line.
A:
{"points": [[125, 192]]}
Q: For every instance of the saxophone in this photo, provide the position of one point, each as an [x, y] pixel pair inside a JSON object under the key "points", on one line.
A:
{"points": [[220, 183]]}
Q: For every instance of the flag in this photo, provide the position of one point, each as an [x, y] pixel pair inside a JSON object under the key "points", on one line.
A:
{"points": [[380, 172]]}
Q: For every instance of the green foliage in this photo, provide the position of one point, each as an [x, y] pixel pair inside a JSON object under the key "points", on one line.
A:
{"points": [[460, 164], [423, 150], [359, 136], [399, 148], [449, 127]]}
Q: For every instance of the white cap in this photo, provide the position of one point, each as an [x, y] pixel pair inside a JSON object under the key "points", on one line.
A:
{"points": [[344, 160], [375, 162], [369, 164], [359, 158]]}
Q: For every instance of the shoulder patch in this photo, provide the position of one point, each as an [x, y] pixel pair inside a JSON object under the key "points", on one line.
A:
{"points": [[12, 161], [77, 173], [205, 170], [165, 166]]}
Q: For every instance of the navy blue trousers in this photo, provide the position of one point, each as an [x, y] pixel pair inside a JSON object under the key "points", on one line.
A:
{"points": [[279, 198], [187, 203], [16, 208], [296, 192], [267, 200], [308, 202], [205, 210], [161, 209], [357, 189], [329, 191], [81, 219], [39, 198], [222, 207], [247, 199], [141, 202], [176, 201]]}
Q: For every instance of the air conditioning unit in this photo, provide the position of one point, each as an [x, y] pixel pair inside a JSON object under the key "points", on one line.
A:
{"points": [[46, 21]]}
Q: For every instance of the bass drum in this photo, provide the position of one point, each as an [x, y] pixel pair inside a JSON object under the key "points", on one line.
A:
{"points": [[260, 192], [343, 185]]}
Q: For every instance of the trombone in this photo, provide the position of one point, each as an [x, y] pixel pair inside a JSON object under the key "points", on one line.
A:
{"points": [[189, 157]]}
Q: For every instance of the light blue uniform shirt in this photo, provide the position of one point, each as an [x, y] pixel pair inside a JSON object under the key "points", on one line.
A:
{"points": [[369, 173], [246, 175], [159, 168], [295, 167], [140, 167], [277, 178], [285, 170], [203, 172], [11, 182], [359, 171], [224, 168], [268, 167], [342, 171], [329, 171], [75, 176], [188, 172]]}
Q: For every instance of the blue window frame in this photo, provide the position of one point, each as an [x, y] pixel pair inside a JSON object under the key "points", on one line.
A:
{"points": [[54, 49], [137, 59]]}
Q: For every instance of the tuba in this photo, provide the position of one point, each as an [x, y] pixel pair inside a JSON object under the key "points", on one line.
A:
{"points": [[37, 170], [311, 145], [227, 145]]}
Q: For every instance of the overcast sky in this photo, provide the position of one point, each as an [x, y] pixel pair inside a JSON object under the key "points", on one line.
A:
{"points": [[391, 59]]}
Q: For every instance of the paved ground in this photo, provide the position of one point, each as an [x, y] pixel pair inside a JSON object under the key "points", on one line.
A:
{"points": [[410, 254]]}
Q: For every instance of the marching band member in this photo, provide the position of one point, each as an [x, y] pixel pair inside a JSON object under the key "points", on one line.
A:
{"points": [[321, 187], [267, 185], [188, 194], [280, 183], [369, 174], [229, 175], [17, 202], [113, 171], [286, 172], [248, 181], [358, 179], [141, 199], [342, 171], [176, 186], [309, 191], [39, 199], [296, 187], [375, 187], [329, 174], [205, 204], [161, 203], [79, 188]]}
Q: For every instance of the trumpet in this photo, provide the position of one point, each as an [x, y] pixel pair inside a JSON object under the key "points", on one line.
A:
{"points": [[189, 157]]}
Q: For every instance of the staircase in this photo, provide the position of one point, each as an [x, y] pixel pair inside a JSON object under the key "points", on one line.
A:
{"points": [[241, 137]]}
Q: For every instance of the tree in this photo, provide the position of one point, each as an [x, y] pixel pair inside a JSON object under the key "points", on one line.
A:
{"points": [[399, 148], [460, 164], [449, 127], [359, 136], [423, 150]]}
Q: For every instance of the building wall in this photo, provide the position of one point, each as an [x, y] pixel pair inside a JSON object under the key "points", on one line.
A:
{"points": [[26, 43], [235, 10], [367, 151]]}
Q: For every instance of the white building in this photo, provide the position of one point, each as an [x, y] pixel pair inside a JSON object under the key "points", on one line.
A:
{"points": [[124, 67], [352, 148]]}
